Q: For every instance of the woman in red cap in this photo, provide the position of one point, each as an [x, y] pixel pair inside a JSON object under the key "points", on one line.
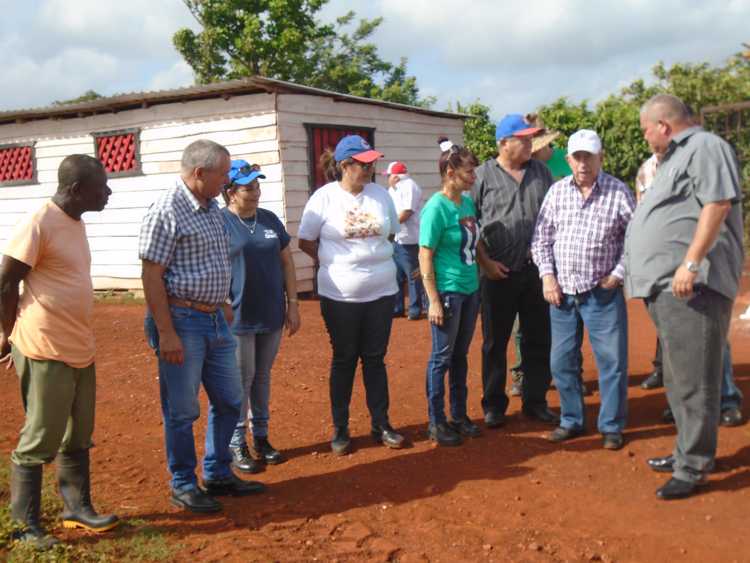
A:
{"points": [[347, 227]]}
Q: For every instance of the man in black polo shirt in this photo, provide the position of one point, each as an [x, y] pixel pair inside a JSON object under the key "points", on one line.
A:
{"points": [[508, 194]]}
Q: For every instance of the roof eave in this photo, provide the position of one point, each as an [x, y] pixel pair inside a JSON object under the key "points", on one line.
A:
{"points": [[245, 86]]}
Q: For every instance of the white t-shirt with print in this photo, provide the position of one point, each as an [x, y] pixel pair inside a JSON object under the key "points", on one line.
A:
{"points": [[354, 253], [407, 195]]}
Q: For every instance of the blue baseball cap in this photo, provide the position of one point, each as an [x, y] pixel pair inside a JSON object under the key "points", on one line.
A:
{"points": [[242, 172], [354, 146], [514, 125]]}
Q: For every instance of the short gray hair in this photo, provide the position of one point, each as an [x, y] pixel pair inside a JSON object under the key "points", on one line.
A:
{"points": [[666, 107], [203, 154]]}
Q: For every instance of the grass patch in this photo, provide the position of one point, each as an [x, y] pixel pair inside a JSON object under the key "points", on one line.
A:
{"points": [[133, 540], [119, 297]]}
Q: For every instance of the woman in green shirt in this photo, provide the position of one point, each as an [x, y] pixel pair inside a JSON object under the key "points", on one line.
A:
{"points": [[448, 237]]}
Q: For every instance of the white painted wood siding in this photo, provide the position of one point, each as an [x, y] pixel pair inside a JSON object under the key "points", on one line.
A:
{"points": [[246, 125], [399, 134]]}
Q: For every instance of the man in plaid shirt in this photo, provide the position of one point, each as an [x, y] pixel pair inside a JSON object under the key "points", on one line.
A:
{"points": [[186, 277], [578, 247]]}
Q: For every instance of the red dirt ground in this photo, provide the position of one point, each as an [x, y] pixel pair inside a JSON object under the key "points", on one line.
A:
{"points": [[507, 496]]}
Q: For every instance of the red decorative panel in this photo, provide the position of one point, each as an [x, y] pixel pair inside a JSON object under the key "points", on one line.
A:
{"points": [[16, 164], [328, 137], [118, 152]]}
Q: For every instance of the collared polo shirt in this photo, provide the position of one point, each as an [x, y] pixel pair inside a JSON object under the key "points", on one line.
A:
{"points": [[698, 168], [507, 210], [191, 241]]}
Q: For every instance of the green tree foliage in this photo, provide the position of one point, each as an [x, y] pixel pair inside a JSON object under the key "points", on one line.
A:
{"points": [[87, 96], [283, 39], [479, 130], [616, 118]]}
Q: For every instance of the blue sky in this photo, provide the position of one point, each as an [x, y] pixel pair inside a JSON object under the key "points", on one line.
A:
{"points": [[512, 56]]}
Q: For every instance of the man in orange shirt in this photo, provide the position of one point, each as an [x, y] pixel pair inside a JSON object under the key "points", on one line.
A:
{"points": [[47, 335]]}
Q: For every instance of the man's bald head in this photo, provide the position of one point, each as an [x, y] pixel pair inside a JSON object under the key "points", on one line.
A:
{"points": [[78, 169], [82, 185], [667, 108], [663, 117]]}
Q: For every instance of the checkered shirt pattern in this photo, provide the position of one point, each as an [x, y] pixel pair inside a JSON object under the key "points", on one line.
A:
{"points": [[581, 241], [191, 242]]}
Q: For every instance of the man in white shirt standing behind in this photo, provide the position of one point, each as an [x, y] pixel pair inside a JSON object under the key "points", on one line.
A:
{"points": [[407, 197]]}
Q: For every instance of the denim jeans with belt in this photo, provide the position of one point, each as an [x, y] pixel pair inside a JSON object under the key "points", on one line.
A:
{"points": [[209, 358], [450, 344], [604, 314]]}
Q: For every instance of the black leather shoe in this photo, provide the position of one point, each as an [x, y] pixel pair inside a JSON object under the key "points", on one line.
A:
{"points": [[561, 434], [444, 435], [661, 464], [541, 413], [613, 441], [667, 416], [494, 419], [465, 427], [195, 500], [264, 452], [233, 486], [341, 442], [731, 417], [386, 435], [653, 381], [242, 461], [676, 489]]}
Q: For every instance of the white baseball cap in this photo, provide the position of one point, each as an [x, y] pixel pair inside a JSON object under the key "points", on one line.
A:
{"points": [[584, 140]]}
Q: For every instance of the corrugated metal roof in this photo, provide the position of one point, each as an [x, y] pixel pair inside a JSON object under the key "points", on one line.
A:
{"points": [[251, 85]]}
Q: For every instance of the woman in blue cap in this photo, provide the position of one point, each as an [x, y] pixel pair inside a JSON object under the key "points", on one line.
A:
{"points": [[347, 227], [264, 299]]}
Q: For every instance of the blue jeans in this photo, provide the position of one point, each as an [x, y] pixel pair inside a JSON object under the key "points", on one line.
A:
{"points": [[406, 258], [209, 358], [255, 355], [604, 314], [731, 396], [450, 344]]}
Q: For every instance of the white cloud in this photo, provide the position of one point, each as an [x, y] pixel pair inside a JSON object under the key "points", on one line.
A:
{"points": [[513, 56], [130, 29], [559, 32], [31, 83], [179, 74]]}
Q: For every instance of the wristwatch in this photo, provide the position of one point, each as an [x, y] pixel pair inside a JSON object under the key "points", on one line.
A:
{"points": [[691, 266]]}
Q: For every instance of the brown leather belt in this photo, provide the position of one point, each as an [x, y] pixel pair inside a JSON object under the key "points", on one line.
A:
{"points": [[197, 305]]}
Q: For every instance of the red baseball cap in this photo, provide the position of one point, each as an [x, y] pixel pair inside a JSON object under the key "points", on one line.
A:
{"points": [[395, 168]]}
